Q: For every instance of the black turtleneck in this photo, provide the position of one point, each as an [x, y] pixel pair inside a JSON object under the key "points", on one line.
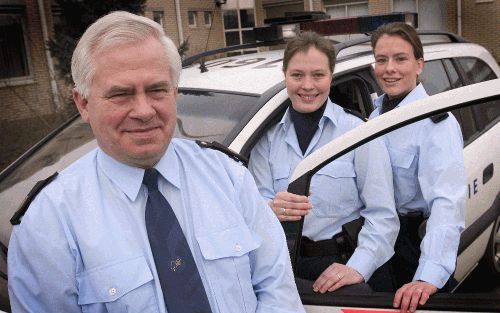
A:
{"points": [[389, 104], [306, 125]]}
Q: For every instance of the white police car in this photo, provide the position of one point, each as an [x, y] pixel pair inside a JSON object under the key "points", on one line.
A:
{"points": [[234, 100]]}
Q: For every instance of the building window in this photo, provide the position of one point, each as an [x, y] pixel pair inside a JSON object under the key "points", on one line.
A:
{"points": [[158, 17], [13, 53], [238, 27], [207, 17], [192, 17]]}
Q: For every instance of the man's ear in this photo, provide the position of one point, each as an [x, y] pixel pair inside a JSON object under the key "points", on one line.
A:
{"points": [[81, 105]]}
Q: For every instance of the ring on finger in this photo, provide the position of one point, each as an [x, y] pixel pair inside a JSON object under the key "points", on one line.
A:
{"points": [[284, 211], [339, 276]]}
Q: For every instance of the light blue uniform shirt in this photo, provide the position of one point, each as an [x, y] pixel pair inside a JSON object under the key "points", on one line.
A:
{"points": [[357, 184], [83, 247], [429, 177]]}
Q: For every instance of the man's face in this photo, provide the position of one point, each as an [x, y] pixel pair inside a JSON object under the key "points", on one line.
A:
{"points": [[131, 107], [396, 67], [308, 78]]}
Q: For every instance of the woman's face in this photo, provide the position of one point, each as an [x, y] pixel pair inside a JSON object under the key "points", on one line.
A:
{"points": [[396, 67], [308, 78]]}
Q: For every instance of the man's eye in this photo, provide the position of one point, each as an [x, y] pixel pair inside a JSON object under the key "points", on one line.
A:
{"points": [[380, 61], [296, 75], [117, 95]]}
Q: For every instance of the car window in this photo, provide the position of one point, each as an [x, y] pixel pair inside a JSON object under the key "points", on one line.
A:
{"points": [[210, 115], [486, 114], [466, 120], [476, 70], [434, 78], [453, 76]]}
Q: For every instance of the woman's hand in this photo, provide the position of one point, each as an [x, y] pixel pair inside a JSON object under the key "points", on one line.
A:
{"points": [[411, 295], [290, 207], [335, 276]]}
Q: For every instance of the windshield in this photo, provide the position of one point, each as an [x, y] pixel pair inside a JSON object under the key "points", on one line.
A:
{"points": [[208, 115]]}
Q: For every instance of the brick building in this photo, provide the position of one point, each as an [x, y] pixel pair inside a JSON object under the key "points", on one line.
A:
{"points": [[28, 87]]}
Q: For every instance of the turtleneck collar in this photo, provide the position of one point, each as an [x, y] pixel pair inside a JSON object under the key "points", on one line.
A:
{"points": [[389, 104], [306, 124]]}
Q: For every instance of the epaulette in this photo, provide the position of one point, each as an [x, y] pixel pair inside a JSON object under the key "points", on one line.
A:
{"points": [[16, 218], [220, 147], [355, 113], [439, 117]]}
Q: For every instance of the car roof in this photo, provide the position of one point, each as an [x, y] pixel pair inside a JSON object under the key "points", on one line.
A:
{"points": [[257, 72]]}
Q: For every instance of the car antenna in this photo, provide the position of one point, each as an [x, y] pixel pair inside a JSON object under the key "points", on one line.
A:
{"points": [[203, 67]]}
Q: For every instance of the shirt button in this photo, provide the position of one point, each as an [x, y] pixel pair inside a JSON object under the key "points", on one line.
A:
{"points": [[112, 291], [237, 248]]}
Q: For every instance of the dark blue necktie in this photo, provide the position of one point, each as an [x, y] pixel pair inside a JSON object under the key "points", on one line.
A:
{"points": [[180, 280]]}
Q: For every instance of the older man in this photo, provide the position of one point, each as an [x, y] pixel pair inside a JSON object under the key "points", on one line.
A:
{"points": [[145, 223]]}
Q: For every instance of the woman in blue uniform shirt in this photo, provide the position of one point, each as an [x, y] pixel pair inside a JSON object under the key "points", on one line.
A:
{"points": [[428, 170], [359, 184]]}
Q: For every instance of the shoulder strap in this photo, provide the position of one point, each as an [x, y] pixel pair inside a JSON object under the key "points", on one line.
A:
{"points": [[356, 113], [16, 218], [439, 117], [220, 147]]}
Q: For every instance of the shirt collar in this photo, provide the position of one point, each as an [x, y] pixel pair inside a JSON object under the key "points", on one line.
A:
{"points": [[168, 166], [129, 178], [331, 113]]}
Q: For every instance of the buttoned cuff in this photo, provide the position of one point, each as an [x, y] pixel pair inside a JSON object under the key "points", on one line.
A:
{"points": [[432, 273], [363, 263]]}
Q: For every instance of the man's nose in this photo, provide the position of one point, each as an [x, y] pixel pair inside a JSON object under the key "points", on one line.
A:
{"points": [[143, 108]]}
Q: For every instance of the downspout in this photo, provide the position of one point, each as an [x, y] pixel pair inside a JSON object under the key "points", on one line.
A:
{"points": [[459, 17], [50, 64], [179, 21]]}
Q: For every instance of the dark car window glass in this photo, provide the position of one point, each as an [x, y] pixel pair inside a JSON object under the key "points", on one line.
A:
{"points": [[476, 70], [434, 78], [76, 135], [208, 115], [452, 74], [466, 120], [486, 113]]}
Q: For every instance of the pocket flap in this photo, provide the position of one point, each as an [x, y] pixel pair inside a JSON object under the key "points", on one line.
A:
{"points": [[109, 282], [280, 171], [401, 158], [338, 169], [231, 242]]}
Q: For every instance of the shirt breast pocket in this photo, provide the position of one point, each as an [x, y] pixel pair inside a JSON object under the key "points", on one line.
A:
{"points": [[125, 286], [228, 267], [280, 173], [335, 190], [404, 168]]}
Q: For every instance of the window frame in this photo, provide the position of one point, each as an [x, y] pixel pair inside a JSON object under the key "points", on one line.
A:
{"points": [[194, 22], [209, 14], [27, 78]]}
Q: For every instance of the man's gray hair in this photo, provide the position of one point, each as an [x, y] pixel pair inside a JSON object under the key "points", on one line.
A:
{"points": [[118, 28]]}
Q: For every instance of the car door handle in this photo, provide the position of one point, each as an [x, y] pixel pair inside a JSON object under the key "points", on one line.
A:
{"points": [[487, 173]]}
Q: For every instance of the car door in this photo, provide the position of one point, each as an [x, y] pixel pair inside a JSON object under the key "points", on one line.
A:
{"points": [[478, 224]]}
